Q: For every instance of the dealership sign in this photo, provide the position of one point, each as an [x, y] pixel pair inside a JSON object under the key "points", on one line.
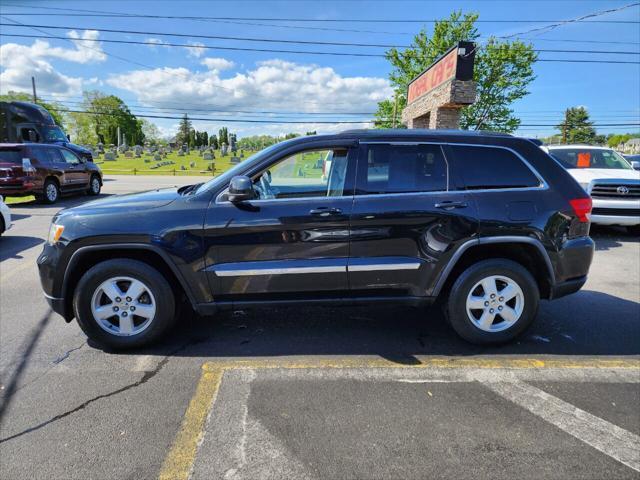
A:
{"points": [[456, 63]]}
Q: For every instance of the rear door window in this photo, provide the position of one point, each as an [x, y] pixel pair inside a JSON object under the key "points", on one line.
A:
{"points": [[13, 156], [392, 168], [492, 168], [46, 155]]}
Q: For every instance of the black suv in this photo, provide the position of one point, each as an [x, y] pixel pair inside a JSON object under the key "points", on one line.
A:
{"points": [[486, 223]]}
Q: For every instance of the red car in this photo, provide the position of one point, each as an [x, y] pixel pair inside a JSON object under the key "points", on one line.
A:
{"points": [[46, 171]]}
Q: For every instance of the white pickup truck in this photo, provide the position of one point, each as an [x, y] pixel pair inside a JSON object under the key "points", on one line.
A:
{"points": [[609, 178]]}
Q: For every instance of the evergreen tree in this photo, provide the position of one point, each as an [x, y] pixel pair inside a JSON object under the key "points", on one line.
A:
{"points": [[183, 130], [576, 127], [223, 136]]}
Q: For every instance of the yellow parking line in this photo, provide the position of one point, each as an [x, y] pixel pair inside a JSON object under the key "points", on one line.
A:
{"points": [[179, 462], [430, 362]]}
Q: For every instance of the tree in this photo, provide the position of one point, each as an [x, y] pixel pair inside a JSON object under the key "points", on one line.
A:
{"points": [[503, 70], [213, 141], [52, 107], [576, 127], [223, 136], [81, 129], [151, 131], [183, 130], [107, 113]]}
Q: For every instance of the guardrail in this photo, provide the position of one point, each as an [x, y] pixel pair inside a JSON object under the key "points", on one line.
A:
{"points": [[174, 172]]}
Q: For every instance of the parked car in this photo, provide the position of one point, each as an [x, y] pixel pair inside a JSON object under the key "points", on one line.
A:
{"points": [[46, 171], [610, 180], [5, 216], [634, 160], [29, 122], [486, 223]]}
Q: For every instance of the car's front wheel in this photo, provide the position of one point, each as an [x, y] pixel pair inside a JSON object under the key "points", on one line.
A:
{"points": [[124, 303], [94, 185], [493, 301]]}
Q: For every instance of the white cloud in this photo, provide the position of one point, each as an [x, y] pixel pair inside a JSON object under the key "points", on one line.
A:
{"points": [[273, 84], [194, 51], [213, 63], [20, 62], [153, 42]]}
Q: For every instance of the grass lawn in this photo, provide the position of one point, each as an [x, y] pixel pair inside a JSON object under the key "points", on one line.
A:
{"points": [[193, 163]]}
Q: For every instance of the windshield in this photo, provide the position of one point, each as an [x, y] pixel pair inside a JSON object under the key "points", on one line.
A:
{"points": [[590, 158], [53, 134], [238, 169]]}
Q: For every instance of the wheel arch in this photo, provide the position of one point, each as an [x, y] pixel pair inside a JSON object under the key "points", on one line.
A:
{"points": [[528, 252], [86, 257]]}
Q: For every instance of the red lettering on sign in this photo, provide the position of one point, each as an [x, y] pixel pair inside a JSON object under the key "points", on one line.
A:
{"points": [[439, 73]]}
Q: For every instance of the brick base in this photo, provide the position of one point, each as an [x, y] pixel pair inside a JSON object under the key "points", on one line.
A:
{"points": [[440, 108]]}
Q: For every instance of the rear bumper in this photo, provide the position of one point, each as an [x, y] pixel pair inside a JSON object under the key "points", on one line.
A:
{"points": [[11, 187], [568, 287]]}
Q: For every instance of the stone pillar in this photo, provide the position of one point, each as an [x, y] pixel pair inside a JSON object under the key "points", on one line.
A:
{"points": [[440, 108]]}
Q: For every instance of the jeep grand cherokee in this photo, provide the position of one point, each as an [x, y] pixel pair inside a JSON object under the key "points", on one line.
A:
{"points": [[487, 223]]}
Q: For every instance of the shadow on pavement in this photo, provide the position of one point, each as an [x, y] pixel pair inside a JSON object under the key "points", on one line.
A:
{"points": [[12, 245], [607, 238], [588, 323]]}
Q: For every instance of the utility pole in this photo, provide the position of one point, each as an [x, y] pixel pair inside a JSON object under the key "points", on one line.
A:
{"points": [[395, 109], [564, 127], [33, 86]]}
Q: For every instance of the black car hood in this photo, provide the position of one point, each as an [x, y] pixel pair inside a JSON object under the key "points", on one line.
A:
{"points": [[128, 202]]}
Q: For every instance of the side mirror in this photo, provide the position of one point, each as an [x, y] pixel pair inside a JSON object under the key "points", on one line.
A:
{"points": [[241, 189], [635, 165]]}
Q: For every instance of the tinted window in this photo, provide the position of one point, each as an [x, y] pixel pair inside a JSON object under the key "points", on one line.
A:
{"points": [[11, 156], [489, 167], [403, 169], [46, 155], [26, 134], [316, 173]]}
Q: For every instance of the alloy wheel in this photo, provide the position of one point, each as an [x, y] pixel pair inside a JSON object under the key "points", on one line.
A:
{"points": [[52, 192], [123, 306], [495, 303]]}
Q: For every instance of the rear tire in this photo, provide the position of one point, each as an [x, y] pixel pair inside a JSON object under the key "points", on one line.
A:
{"points": [[50, 192], [124, 303], [492, 302]]}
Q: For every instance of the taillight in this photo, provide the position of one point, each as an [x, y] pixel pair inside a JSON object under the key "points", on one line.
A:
{"points": [[582, 208]]}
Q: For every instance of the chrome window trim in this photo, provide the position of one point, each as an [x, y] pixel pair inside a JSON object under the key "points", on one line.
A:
{"points": [[542, 186]]}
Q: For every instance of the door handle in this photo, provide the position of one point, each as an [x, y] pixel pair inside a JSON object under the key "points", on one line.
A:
{"points": [[449, 205], [325, 211]]}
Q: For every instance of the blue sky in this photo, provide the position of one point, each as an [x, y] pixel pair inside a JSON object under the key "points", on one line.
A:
{"points": [[160, 80]]}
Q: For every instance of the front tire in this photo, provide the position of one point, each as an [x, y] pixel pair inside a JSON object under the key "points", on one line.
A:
{"points": [[492, 302], [124, 303], [51, 192], [634, 230], [94, 186]]}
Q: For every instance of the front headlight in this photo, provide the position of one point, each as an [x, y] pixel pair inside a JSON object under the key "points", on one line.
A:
{"points": [[55, 232]]}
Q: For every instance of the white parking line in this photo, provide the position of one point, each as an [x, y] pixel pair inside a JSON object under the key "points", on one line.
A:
{"points": [[604, 436]]}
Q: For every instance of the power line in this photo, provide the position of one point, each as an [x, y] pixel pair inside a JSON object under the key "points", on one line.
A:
{"points": [[287, 41], [268, 50]]}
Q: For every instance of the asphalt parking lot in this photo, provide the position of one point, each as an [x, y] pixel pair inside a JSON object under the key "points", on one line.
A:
{"points": [[321, 393]]}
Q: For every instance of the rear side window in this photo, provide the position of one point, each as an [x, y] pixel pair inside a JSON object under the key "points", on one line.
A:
{"points": [[11, 156], [402, 169], [46, 155], [491, 167]]}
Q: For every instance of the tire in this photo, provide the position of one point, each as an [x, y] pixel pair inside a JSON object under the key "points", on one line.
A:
{"points": [[154, 297], [475, 325], [634, 230], [94, 186], [50, 192]]}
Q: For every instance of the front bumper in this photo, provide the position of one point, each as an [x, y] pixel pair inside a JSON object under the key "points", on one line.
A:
{"points": [[615, 212], [50, 278]]}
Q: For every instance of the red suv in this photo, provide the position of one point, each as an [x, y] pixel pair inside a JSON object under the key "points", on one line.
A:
{"points": [[45, 171]]}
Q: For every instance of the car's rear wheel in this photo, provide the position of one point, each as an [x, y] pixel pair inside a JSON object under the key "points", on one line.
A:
{"points": [[94, 185], [124, 303], [51, 191], [493, 301]]}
